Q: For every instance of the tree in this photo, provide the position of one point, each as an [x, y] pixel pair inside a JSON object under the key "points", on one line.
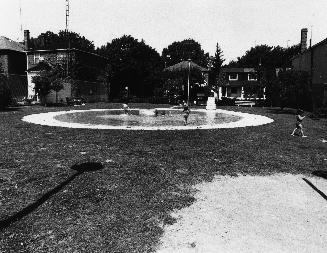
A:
{"points": [[105, 77], [269, 57], [182, 51], [217, 62], [134, 65], [295, 89], [62, 40], [48, 80]]}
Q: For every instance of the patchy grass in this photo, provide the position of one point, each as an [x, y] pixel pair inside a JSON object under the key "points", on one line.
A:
{"points": [[145, 176]]}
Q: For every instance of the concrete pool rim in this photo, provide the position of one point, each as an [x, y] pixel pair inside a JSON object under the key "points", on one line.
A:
{"points": [[247, 119]]}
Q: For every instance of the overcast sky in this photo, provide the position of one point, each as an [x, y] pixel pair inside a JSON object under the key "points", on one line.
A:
{"points": [[237, 25]]}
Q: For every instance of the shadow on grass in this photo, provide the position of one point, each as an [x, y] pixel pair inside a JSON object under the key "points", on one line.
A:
{"points": [[79, 168], [282, 111], [10, 109], [318, 173]]}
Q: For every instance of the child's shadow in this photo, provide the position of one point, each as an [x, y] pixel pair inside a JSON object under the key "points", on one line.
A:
{"points": [[79, 168]]}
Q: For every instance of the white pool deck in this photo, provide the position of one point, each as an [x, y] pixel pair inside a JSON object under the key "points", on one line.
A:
{"points": [[247, 119]]}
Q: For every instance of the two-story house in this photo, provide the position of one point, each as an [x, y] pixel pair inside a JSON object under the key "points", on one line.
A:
{"points": [[13, 66], [240, 84], [314, 61], [83, 66]]}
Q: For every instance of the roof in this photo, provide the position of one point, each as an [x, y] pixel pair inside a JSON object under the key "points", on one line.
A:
{"points": [[185, 65], [238, 70], [312, 47], [320, 43], [64, 50], [8, 44]]}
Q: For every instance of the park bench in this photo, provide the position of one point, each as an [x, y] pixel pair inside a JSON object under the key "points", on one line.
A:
{"points": [[244, 103]]}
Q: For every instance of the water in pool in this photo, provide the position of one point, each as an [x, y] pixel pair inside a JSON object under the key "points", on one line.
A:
{"points": [[147, 118]]}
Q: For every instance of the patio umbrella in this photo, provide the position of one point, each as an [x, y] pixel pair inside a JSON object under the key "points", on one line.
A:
{"points": [[186, 66]]}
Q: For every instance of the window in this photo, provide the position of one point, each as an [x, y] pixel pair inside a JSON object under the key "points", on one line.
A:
{"points": [[233, 77], [61, 56], [38, 58], [252, 77], [233, 90]]}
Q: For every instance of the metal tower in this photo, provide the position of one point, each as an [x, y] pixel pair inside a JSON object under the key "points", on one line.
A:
{"points": [[68, 37], [20, 20], [67, 15]]}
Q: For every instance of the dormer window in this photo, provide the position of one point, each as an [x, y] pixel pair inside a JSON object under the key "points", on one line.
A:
{"points": [[233, 77], [252, 77]]}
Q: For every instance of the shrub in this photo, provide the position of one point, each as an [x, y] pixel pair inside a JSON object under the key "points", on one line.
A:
{"points": [[226, 101], [5, 96]]}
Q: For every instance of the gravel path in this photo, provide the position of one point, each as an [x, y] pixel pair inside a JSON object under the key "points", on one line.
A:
{"points": [[279, 213]]}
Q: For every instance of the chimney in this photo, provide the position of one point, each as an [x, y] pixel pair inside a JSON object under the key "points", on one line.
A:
{"points": [[304, 32], [26, 39]]}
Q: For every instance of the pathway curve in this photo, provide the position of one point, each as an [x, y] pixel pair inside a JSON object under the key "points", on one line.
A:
{"points": [[279, 213]]}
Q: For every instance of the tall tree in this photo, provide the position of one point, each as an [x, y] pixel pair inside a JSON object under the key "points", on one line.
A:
{"points": [[183, 50], [62, 40], [217, 62], [134, 65], [269, 57], [49, 79]]}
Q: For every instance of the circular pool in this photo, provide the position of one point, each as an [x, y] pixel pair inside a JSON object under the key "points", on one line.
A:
{"points": [[147, 119]]}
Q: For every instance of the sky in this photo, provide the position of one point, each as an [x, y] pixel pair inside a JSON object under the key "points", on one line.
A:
{"points": [[237, 25]]}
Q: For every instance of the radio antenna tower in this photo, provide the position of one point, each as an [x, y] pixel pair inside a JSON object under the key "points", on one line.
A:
{"points": [[67, 36], [20, 18], [67, 15]]}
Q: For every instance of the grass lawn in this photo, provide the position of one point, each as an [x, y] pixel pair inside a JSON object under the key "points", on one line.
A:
{"points": [[144, 176]]}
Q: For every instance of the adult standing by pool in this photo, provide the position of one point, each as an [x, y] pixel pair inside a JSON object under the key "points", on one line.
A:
{"points": [[186, 112]]}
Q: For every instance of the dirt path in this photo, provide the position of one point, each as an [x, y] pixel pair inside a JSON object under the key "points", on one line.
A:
{"points": [[279, 213]]}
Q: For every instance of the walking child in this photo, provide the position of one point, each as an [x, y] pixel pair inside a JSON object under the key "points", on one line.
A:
{"points": [[298, 125]]}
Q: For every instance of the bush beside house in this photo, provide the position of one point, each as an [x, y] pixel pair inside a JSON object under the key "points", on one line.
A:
{"points": [[5, 96]]}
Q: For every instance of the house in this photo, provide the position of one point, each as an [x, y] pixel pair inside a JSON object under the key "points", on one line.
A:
{"points": [[314, 61], [83, 66], [13, 66], [240, 84]]}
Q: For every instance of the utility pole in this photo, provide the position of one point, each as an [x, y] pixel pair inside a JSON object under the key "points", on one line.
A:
{"points": [[188, 81], [67, 37]]}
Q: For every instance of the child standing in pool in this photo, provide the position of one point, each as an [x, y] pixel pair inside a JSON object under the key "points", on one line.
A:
{"points": [[186, 112], [126, 108], [298, 124]]}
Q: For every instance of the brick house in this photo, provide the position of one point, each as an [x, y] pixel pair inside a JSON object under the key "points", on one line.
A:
{"points": [[13, 66], [240, 84], [314, 61], [83, 66]]}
